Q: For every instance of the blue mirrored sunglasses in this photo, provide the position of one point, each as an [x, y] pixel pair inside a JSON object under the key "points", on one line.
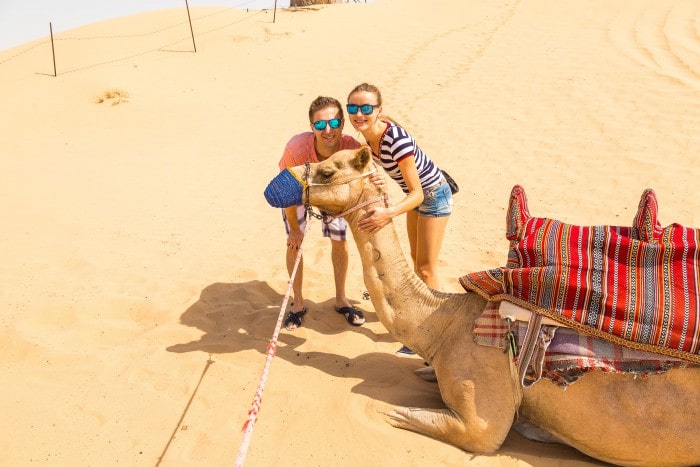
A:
{"points": [[320, 125], [366, 109]]}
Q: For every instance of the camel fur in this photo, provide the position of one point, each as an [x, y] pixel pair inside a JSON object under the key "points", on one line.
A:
{"points": [[616, 418]]}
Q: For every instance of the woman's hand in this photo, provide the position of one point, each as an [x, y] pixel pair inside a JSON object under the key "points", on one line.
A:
{"points": [[376, 219], [377, 179]]}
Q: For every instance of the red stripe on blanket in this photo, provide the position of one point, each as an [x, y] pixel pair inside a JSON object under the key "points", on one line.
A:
{"points": [[636, 286]]}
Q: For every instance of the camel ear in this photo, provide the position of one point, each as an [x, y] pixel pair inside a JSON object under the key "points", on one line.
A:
{"points": [[362, 158]]}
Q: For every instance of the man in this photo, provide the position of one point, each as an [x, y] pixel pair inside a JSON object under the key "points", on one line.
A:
{"points": [[325, 138]]}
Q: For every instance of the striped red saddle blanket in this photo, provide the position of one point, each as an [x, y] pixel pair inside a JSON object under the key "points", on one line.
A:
{"points": [[636, 286]]}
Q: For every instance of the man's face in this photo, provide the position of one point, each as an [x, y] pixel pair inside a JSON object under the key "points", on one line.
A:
{"points": [[328, 138]]}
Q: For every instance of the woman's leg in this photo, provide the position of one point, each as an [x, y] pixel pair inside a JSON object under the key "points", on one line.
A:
{"points": [[412, 229], [429, 234]]}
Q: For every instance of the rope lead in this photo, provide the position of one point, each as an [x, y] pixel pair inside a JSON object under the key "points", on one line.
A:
{"points": [[270, 353]]}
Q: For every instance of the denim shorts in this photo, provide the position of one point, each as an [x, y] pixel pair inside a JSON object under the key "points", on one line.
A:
{"points": [[437, 201]]}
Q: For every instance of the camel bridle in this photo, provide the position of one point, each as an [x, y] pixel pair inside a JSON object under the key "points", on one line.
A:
{"points": [[307, 184]]}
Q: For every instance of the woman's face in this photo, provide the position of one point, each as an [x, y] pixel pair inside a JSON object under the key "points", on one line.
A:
{"points": [[363, 121]]}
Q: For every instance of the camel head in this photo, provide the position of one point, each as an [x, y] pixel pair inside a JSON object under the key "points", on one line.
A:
{"points": [[332, 185]]}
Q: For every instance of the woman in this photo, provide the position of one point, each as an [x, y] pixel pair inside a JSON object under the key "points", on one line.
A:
{"points": [[428, 202]]}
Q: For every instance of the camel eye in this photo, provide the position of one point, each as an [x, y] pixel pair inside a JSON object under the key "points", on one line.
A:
{"points": [[325, 175]]}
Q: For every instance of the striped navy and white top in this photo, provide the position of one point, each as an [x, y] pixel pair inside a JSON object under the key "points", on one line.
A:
{"points": [[396, 145]]}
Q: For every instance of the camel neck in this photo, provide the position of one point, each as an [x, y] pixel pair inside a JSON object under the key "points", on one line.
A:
{"points": [[394, 287]]}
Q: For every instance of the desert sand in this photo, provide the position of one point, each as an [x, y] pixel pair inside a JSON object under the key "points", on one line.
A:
{"points": [[142, 271]]}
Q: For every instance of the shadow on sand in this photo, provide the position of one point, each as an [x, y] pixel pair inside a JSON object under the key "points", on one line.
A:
{"points": [[237, 317], [240, 317]]}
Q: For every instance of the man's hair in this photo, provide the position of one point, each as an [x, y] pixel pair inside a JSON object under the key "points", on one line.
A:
{"points": [[322, 102], [364, 87]]}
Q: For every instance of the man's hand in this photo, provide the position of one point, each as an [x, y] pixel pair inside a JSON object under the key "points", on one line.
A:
{"points": [[294, 239]]}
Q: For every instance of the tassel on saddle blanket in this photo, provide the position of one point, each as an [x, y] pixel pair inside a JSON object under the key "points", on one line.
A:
{"points": [[638, 286]]}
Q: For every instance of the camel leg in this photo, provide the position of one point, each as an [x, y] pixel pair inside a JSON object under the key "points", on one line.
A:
{"points": [[474, 425]]}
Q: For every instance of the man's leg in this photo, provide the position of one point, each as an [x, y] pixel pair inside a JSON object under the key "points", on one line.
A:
{"points": [[337, 231], [291, 256], [339, 256]]}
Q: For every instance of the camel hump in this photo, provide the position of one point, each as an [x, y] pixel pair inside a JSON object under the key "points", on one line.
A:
{"points": [[646, 221], [517, 214]]}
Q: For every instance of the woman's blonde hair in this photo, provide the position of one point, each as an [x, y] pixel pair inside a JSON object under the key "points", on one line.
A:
{"points": [[365, 87]]}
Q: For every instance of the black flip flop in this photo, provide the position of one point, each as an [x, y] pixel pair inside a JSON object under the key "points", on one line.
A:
{"points": [[350, 313], [294, 317]]}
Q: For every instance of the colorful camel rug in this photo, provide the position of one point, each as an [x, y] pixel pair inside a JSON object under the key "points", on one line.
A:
{"points": [[570, 354], [636, 286]]}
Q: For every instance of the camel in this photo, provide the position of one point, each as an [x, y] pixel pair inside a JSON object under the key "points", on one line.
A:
{"points": [[616, 418]]}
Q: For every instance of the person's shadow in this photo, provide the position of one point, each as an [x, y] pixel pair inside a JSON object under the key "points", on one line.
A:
{"points": [[242, 316]]}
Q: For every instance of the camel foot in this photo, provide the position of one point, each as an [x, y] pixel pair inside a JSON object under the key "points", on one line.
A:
{"points": [[415, 419], [448, 427]]}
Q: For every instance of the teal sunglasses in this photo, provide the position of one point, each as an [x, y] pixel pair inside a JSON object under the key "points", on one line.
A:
{"points": [[366, 109], [320, 125]]}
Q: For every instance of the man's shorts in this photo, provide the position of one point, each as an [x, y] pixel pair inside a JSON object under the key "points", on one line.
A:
{"points": [[336, 229]]}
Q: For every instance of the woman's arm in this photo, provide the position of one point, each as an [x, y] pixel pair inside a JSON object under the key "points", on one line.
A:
{"points": [[378, 217]]}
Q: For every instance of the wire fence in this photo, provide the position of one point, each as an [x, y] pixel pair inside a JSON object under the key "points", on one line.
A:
{"points": [[57, 38], [181, 25]]}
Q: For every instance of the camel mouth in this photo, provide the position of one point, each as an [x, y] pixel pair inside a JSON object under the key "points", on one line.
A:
{"points": [[284, 190]]}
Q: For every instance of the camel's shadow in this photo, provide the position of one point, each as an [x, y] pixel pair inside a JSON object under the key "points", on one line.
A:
{"points": [[237, 317], [242, 316]]}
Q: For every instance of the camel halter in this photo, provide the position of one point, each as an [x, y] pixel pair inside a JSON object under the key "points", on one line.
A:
{"points": [[307, 184]]}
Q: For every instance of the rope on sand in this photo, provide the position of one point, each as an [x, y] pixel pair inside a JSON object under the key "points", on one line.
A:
{"points": [[270, 353]]}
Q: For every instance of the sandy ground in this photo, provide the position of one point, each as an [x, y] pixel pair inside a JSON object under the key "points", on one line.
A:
{"points": [[142, 272]]}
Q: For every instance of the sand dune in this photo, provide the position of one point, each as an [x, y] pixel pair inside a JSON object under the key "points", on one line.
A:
{"points": [[143, 272]]}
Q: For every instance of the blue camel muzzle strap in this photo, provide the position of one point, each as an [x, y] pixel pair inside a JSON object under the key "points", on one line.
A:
{"points": [[289, 188], [285, 190]]}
